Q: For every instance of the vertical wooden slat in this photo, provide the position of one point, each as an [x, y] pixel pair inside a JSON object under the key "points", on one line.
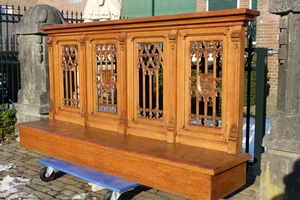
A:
{"points": [[144, 91], [150, 74], [214, 88]]}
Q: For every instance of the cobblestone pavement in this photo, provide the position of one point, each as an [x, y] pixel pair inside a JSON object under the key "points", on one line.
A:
{"points": [[65, 186]]}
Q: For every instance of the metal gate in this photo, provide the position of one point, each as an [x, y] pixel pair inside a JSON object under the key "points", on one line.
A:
{"points": [[9, 63], [256, 92]]}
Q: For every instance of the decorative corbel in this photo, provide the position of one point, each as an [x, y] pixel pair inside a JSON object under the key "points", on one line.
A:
{"points": [[82, 41], [236, 33]]}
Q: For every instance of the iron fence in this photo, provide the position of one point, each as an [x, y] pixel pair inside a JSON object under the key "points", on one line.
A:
{"points": [[10, 80]]}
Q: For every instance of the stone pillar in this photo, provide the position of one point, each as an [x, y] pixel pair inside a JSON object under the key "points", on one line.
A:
{"points": [[280, 178], [33, 98]]}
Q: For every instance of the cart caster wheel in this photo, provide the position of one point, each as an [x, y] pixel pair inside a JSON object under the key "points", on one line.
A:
{"points": [[108, 195], [43, 176]]}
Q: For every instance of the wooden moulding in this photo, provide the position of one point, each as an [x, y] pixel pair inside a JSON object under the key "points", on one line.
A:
{"points": [[184, 170], [168, 153]]}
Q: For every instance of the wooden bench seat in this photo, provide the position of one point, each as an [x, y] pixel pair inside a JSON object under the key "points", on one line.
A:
{"points": [[185, 170]]}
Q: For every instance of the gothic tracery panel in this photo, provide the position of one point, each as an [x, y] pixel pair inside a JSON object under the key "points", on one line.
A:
{"points": [[106, 78], [206, 83], [150, 80], [70, 72]]}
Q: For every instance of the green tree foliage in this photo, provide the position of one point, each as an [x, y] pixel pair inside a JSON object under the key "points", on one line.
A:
{"points": [[7, 122], [252, 88]]}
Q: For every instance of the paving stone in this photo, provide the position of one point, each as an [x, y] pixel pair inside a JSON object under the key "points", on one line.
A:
{"points": [[56, 183], [55, 188], [67, 180], [75, 189], [31, 172], [52, 193], [96, 195], [152, 196], [170, 196], [6, 154], [68, 193], [42, 195], [42, 188]]}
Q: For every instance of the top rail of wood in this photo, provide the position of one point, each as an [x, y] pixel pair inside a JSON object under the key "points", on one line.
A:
{"points": [[208, 18]]}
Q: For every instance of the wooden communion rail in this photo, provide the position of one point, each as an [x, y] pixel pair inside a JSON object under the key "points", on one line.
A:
{"points": [[155, 100]]}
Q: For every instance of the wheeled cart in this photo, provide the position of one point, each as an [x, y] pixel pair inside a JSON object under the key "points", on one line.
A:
{"points": [[115, 184]]}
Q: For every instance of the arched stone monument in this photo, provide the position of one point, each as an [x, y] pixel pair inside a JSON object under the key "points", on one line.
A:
{"points": [[33, 97]]}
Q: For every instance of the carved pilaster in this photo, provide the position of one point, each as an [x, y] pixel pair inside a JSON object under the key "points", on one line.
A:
{"points": [[122, 104], [171, 131]]}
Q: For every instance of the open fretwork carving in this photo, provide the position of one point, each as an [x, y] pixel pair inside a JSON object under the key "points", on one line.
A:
{"points": [[206, 83], [106, 78], [70, 71], [150, 77]]}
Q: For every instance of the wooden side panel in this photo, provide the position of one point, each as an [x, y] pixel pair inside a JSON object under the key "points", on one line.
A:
{"points": [[209, 100], [147, 77], [228, 181], [67, 71], [105, 78], [202, 104]]}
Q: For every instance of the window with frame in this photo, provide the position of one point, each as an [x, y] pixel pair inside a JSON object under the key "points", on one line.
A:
{"points": [[221, 4], [75, 1]]}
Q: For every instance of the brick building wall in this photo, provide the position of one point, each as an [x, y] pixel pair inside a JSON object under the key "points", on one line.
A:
{"points": [[201, 5], [267, 36], [21, 4], [65, 5]]}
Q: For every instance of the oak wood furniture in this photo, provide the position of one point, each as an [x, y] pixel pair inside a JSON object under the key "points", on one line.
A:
{"points": [[155, 100]]}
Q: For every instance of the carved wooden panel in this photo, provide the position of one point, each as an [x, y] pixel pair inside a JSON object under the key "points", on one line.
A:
{"points": [[150, 80], [106, 78], [70, 76], [206, 83], [147, 78]]}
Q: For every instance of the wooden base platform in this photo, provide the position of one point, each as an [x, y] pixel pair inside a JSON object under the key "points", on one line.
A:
{"points": [[184, 170]]}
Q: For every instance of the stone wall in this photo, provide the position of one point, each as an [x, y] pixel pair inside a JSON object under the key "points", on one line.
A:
{"points": [[281, 163]]}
